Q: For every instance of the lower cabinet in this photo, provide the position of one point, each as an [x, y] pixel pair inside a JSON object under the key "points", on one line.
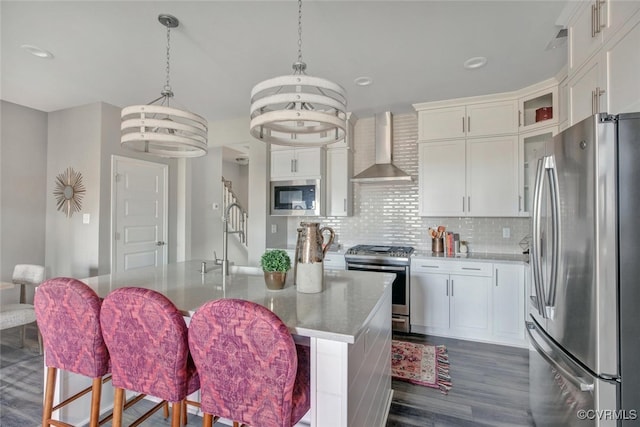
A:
{"points": [[509, 302], [470, 306], [468, 300], [430, 301]]}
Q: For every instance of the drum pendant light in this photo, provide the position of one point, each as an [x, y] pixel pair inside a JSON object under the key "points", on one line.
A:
{"points": [[298, 110], [160, 129]]}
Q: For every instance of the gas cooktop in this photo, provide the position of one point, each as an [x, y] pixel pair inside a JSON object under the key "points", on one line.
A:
{"points": [[380, 251]]}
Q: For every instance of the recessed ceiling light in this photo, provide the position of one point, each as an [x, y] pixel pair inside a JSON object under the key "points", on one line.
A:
{"points": [[363, 81], [36, 51], [475, 62]]}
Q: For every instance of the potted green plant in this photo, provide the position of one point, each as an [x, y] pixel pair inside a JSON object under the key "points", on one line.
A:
{"points": [[275, 263]]}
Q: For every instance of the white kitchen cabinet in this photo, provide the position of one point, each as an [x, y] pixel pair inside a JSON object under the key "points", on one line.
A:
{"points": [[297, 163], [473, 177], [530, 103], [586, 89], [466, 121], [442, 178], [492, 176], [563, 104], [593, 24], [530, 151], [479, 301], [470, 305], [450, 298], [622, 55], [607, 81], [508, 302], [430, 302], [339, 187]]}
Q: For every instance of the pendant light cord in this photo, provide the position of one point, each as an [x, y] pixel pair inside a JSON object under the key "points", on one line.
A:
{"points": [[167, 92], [299, 30]]}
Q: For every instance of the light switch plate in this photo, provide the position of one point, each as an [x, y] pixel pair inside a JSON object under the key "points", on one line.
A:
{"points": [[86, 218], [506, 232]]}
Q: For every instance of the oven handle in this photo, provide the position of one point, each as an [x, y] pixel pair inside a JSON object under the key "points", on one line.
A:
{"points": [[376, 267]]}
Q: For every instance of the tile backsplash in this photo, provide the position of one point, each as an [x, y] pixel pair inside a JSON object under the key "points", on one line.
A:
{"points": [[387, 213]]}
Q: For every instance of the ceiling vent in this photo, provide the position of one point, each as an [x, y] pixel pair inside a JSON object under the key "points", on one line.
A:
{"points": [[559, 40]]}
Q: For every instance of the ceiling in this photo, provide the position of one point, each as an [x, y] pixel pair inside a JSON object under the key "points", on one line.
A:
{"points": [[114, 51]]}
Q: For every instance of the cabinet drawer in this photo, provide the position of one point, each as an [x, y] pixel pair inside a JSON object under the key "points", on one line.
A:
{"points": [[428, 266], [425, 265], [473, 268]]}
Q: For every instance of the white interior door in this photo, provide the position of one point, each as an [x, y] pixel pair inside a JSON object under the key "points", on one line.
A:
{"points": [[139, 217]]}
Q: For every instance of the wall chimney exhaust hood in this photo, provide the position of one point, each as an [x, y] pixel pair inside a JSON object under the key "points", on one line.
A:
{"points": [[382, 170]]}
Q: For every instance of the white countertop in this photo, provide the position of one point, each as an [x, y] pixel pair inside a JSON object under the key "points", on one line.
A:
{"points": [[338, 313], [478, 257]]}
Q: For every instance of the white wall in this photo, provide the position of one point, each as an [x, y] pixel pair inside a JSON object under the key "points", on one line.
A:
{"points": [[23, 164], [74, 141]]}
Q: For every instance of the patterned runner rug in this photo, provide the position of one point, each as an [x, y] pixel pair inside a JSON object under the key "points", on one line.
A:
{"points": [[421, 364]]}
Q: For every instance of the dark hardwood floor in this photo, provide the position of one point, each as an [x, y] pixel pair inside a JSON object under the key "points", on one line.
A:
{"points": [[490, 388]]}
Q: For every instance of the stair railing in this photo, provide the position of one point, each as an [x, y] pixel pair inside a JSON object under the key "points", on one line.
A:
{"points": [[238, 218]]}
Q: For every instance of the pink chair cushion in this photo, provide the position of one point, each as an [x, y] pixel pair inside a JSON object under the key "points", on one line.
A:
{"points": [[250, 370], [147, 338], [68, 316]]}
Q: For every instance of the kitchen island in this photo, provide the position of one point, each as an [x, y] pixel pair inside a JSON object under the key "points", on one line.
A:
{"points": [[347, 326]]}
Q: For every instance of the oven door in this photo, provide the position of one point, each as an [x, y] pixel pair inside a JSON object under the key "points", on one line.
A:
{"points": [[400, 287]]}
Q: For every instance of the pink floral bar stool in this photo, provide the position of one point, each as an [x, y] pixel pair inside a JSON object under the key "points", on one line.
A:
{"points": [[251, 371], [147, 339], [68, 316]]}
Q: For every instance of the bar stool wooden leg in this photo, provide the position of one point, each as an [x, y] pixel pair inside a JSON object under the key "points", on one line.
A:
{"points": [[96, 394], [118, 403], [207, 420], [48, 396], [175, 414]]}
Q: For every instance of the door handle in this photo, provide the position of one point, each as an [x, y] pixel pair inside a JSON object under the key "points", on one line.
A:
{"points": [[447, 288], [536, 237], [160, 243]]}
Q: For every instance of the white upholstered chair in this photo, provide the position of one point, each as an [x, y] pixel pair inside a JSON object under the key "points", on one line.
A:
{"points": [[22, 314]]}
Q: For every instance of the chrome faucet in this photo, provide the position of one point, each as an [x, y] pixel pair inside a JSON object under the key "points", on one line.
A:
{"points": [[225, 238]]}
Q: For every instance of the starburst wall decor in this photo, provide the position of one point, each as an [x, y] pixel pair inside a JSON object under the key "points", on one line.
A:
{"points": [[69, 191]]}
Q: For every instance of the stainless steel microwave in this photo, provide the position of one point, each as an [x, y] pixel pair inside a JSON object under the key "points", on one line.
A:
{"points": [[303, 197]]}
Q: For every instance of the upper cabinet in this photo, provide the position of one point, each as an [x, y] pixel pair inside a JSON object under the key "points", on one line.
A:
{"points": [[538, 106], [606, 81], [593, 24], [466, 121], [339, 173], [473, 177], [297, 163]]}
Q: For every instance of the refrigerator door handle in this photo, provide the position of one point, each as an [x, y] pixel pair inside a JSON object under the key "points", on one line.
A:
{"points": [[535, 241], [581, 384], [552, 174]]}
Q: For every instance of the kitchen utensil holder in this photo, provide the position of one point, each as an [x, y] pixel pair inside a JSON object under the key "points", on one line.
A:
{"points": [[437, 245]]}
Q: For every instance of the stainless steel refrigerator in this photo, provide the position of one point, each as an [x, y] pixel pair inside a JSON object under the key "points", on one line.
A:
{"points": [[584, 322]]}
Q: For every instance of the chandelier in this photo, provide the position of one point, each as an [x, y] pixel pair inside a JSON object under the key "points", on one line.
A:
{"points": [[158, 128], [298, 110]]}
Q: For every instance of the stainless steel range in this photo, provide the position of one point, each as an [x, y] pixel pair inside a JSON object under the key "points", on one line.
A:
{"points": [[387, 259]]}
